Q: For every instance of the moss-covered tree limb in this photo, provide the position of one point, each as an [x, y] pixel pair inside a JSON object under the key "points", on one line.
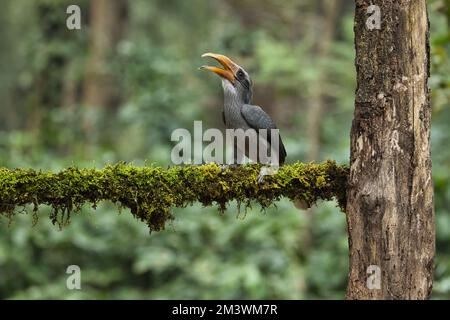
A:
{"points": [[151, 192]]}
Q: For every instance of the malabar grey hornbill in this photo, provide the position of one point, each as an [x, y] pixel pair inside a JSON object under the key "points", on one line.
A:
{"points": [[238, 112]]}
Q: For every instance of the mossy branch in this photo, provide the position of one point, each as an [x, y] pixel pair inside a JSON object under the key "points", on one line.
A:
{"points": [[151, 192]]}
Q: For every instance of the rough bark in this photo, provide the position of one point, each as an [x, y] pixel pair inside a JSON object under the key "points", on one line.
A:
{"points": [[390, 213]]}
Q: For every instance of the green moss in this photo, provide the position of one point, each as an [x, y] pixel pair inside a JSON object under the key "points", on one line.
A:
{"points": [[151, 192]]}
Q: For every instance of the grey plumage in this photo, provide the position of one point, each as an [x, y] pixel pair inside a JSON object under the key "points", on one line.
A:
{"points": [[239, 114], [258, 119]]}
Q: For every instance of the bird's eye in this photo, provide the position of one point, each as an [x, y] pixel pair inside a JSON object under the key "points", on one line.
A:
{"points": [[240, 74]]}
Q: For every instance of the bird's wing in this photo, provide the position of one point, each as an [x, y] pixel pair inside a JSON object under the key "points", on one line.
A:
{"points": [[257, 119]]}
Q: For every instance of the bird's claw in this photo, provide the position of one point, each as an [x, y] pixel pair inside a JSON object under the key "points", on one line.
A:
{"points": [[223, 167], [266, 171], [261, 178]]}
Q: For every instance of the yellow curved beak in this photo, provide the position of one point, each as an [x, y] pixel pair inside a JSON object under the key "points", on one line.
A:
{"points": [[229, 67]]}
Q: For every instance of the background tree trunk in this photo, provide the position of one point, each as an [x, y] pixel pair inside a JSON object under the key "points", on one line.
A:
{"points": [[325, 37], [325, 32], [390, 213], [108, 20]]}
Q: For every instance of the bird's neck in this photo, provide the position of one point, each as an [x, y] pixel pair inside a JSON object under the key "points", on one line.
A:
{"points": [[231, 100], [234, 97]]}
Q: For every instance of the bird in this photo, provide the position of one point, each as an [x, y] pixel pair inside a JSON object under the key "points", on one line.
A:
{"points": [[239, 113]]}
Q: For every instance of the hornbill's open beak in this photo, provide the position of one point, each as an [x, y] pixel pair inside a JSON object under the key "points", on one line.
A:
{"points": [[229, 67]]}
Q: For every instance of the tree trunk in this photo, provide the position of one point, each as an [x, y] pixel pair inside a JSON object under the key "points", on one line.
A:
{"points": [[317, 100], [108, 20], [390, 213], [328, 16]]}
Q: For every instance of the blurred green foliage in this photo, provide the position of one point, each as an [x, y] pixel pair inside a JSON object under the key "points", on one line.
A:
{"points": [[279, 254]]}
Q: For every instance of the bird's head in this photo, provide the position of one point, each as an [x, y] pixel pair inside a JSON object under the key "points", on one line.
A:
{"points": [[235, 79]]}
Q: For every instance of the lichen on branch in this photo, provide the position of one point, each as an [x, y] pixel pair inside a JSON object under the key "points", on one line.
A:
{"points": [[151, 192]]}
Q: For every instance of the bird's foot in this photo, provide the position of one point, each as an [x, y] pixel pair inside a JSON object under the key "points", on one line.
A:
{"points": [[228, 165], [266, 171], [261, 178]]}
